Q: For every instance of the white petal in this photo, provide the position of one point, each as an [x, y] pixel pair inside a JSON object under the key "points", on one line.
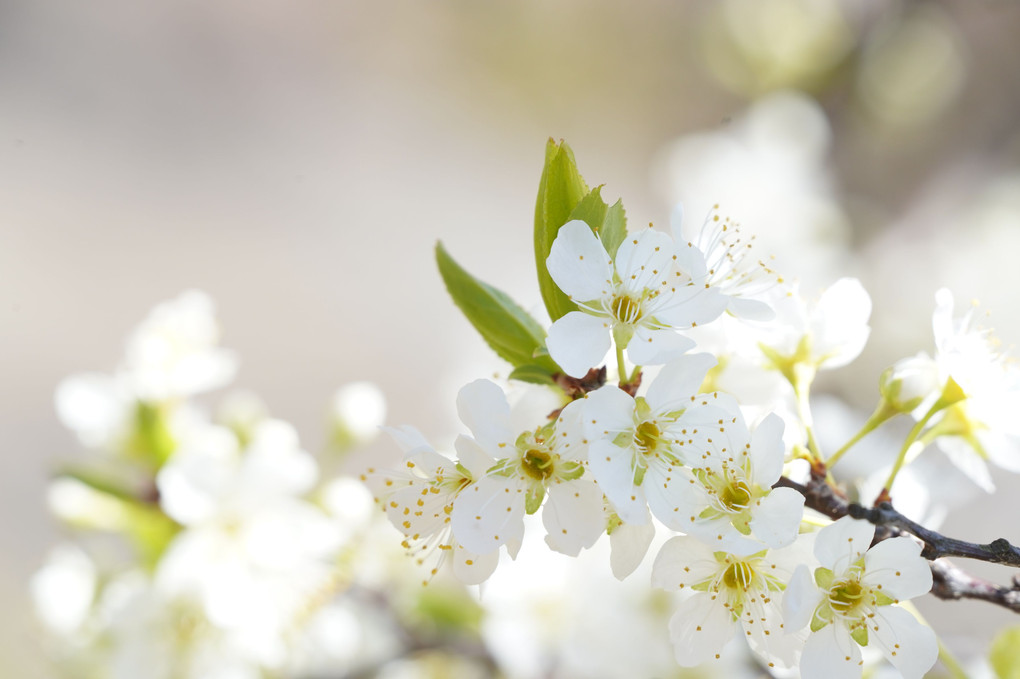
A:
{"points": [[764, 628], [608, 411], [683, 562], [579, 264], [768, 450], [840, 322], [830, 653], [573, 516], [962, 455], [94, 406], [488, 513], [699, 629], [841, 543], [471, 568], [611, 466], [907, 644], [649, 346], [483, 407], [408, 439], [678, 381], [750, 309], [690, 305], [800, 599], [777, 517], [578, 342], [471, 455], [896, 564], [628, 545], [644, 260], [671, 496]]}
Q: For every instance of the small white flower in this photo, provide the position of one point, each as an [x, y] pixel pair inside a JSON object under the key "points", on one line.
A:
{"points": [[826, 334], [983, 425], [633, 450], [733, 502], [639, 299], [532, 467], [727, 592], [732, 267], [852, 603], [419, 501]]}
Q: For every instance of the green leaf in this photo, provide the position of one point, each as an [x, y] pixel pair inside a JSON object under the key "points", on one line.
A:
{"points": [[514, 335], [608, 223], [1004, 655], [535, 374], [560, 190]]}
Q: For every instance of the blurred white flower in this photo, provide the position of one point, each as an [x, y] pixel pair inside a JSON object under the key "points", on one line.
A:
{"points": [[358, 411], [768, 169], [252, 551], [64, 588], [173, 353]]}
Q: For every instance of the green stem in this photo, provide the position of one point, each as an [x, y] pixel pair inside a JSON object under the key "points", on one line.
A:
{"points": [[621, 367], [915, 432], [883, 412], [801, 388]]}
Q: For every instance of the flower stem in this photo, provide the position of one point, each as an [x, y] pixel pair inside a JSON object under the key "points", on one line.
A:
{"points": [[912, 437], [621, 367], [882, 413], [801, 388]]}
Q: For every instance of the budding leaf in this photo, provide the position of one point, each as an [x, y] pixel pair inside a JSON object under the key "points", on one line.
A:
{"points": [[560, 190], [514, 335], [608, 223], [1004, 655]]}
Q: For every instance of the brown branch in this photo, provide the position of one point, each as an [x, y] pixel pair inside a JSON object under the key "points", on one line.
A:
{"points": [[949, 581]]}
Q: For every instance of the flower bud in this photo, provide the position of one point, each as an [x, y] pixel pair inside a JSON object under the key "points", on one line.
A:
{"points": [[909, 382]]}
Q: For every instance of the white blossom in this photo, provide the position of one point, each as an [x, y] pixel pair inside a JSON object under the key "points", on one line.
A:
{"points": [[419, 501], [544, 465], [639, 299], [849, 603], [732, 501], [727, 592]]}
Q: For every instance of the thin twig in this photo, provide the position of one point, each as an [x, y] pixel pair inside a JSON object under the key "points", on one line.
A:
{"points": [[949, 581]]}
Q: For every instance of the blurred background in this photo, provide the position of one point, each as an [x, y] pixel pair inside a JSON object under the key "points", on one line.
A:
{"points": [[298, 161]]}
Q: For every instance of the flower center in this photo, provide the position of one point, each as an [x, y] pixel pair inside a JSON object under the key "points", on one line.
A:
{"points": [[646, 436], [626, 309], [738, 576], [735, 496], [845, 596], [536, 463]]}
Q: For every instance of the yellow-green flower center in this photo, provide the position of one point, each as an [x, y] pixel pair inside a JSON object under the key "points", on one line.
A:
{"points": [[626, 309], [536, 463], [845, 596], [739, 575], [735, 496], [646, 436]]}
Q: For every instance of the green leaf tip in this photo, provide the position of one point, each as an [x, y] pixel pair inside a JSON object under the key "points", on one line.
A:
{"points": [[560, 190]]}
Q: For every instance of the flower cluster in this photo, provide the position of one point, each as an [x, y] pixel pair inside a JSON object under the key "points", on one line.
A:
{"points": [[240, 550], [688, 434]]}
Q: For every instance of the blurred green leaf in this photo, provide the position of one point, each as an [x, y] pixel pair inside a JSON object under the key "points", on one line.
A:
{"points": [[505, 326], [151, 440], [115, 506], [560, 190], [449, 609], [1004, 655], [608, 223]]}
